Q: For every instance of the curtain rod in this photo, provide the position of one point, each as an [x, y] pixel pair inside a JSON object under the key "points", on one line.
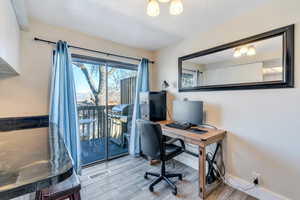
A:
{"points": [[91, 50]]}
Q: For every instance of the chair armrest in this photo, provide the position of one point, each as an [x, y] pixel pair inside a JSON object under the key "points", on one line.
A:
{"points": [[175, 140]]}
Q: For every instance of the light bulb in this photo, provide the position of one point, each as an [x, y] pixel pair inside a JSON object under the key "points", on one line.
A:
{"points": [[244, 50], [237, 53], [153, 8], [176, 7], [251, 51], [163, 1]]}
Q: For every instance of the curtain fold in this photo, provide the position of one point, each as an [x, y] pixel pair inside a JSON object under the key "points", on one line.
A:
{"points": [[62, 109], [142, 85]]}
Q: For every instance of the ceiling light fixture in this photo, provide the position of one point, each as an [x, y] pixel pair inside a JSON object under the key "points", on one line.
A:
{"points": [[153, 10], [163, 1], [176, 7]]}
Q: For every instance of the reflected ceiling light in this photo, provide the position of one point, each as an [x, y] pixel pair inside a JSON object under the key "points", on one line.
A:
{"points": [[153, 8], [251, 51], [272, 70], [163, 1], [244, 50], [278, 69], [237, 53], [176, 7]]}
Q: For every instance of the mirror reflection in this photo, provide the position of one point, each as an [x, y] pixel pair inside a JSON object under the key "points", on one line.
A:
{"points": [[260, 61]]}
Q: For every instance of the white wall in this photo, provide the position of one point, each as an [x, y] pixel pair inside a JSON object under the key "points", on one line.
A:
{"points": [[263, 125], [235, 74], [27, 94], [9, 37]]}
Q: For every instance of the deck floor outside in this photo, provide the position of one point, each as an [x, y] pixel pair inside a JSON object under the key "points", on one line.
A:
{"points": [[94, 150]]}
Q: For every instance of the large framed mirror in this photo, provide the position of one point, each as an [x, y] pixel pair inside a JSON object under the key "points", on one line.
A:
{"points": [[259, 62]]}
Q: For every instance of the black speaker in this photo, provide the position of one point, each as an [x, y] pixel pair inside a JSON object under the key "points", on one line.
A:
{"points": [[153, 105]]}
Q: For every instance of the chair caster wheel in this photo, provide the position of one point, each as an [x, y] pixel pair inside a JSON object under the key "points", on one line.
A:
{"points": [[151, 189], [145, 176], [174, 192], [180, 177]]}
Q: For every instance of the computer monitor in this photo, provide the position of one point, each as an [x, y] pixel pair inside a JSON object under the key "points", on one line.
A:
{"points": [[188, 112]]}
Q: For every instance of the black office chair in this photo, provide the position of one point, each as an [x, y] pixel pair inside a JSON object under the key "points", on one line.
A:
{"points": [[154, 145]]}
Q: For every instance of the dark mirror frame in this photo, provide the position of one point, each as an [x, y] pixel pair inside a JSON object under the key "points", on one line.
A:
{"points": [[288, 62]]}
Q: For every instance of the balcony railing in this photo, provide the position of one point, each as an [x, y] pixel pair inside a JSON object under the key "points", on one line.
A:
{"points": [[93, 137], [92, 123]]}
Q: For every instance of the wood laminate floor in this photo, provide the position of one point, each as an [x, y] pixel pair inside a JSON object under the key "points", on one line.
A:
{"points": [[123, 179]]}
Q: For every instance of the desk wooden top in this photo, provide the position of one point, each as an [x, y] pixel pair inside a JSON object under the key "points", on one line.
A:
{"points": [[211, 136]]}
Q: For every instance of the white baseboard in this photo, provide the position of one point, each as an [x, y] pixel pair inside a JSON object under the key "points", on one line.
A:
{"points": [[257, 191]]}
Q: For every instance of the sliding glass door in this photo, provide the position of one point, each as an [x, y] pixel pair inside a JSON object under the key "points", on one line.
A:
{"points": [[105, 93], [120, 86]]}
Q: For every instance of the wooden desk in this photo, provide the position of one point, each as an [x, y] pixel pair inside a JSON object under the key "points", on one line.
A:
{"points": [[202, 140]]}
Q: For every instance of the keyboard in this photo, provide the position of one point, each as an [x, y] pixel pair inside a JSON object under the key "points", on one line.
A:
{"points": [[183, 126]]}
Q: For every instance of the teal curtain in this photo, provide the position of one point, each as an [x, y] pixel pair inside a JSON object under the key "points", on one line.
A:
{"points": [[63, 110], [142, 85]]}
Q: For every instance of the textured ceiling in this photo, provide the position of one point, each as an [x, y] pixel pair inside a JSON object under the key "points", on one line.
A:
{"points": [[126, 22]]}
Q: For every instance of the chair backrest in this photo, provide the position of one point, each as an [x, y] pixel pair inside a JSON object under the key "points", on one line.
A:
{"points": [[151, 138]]}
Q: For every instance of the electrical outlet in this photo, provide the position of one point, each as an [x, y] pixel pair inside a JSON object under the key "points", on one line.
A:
{"points": [[255, 178]]}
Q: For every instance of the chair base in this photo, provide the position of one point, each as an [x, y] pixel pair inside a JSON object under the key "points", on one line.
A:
{"points": [[166, 177], [68, 189]]}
